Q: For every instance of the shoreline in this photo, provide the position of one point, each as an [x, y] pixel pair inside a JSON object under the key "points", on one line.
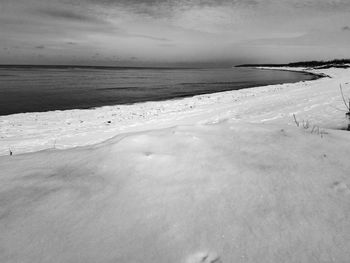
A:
{"points": [[30, 132], [306, 71], [176, 96]]}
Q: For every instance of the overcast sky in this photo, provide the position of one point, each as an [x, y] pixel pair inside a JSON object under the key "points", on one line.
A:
{"points": [[157, 32]]}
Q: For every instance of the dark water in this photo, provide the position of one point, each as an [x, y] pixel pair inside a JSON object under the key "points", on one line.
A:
{"points": [[30, 89]]}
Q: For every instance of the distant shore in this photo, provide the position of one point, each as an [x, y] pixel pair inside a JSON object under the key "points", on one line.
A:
{"points": [[291, 69], [335, 63]]}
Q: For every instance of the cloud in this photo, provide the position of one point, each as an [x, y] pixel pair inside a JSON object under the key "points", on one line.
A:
{"points": [[69, 15], [148, 37], [172, 30], [313, 39], [167, 45], [166, 8]]}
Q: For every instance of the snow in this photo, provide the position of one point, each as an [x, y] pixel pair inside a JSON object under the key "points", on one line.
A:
{"points": [[232, 179]]}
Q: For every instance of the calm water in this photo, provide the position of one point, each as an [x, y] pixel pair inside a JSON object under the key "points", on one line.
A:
{"points": [[29, 89]]}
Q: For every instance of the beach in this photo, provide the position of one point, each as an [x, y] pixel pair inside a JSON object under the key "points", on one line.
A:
{"points": [[251, 175], [317, 101]]}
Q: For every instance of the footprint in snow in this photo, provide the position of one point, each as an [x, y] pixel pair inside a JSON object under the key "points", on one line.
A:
{"points": [[340, 187], [204, 257]]}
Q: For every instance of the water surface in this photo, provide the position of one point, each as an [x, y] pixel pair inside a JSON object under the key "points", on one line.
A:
{"points": [[33, 89]]}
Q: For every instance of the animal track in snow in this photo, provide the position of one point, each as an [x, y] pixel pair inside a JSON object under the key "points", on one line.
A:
{"points": [[204, 257], [340, 187]]}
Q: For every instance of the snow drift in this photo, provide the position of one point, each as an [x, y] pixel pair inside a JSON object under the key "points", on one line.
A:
{"points": [[225, 192]]}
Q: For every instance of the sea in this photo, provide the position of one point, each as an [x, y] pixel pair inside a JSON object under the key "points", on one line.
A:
{"points": [[48, 88]]}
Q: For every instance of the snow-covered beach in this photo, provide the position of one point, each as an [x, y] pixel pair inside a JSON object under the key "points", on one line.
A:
{"points": [[225, 177], [318, 101]]}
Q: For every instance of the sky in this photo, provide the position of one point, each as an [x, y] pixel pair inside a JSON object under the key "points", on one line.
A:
{"points": [[165, 32]]}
